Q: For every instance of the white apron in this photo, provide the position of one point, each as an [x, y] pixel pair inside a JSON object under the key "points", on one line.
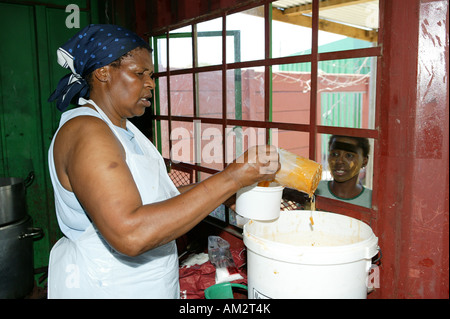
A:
{"points": [[89, 268]]}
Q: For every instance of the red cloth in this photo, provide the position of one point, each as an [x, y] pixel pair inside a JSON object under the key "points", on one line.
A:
{"points": [[195, 279]]}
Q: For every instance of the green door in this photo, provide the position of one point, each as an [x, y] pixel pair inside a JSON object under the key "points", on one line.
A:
{"points": [[31, 34]]}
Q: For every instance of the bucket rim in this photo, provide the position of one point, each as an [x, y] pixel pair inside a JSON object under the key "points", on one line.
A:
{"points": [[364, 249], [261, 189], [266, 188]]}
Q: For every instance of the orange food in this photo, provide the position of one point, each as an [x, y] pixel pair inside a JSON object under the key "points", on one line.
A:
{"points": [[299, 173], [264, 184], [311, 220], [313, 203]]}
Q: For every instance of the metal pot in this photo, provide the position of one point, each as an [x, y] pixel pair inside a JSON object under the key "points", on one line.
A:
{"points": [[12, 198], [16, 258]]}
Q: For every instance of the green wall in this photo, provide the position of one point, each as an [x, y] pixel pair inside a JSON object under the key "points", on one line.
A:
{"points": [[31, 34]]}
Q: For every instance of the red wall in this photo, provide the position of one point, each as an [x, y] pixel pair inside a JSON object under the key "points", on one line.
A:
{"points": [[410, 216], [161, 13], [413, 187]]}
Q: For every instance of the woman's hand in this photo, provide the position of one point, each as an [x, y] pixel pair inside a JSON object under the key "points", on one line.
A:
{"points": [[258, 163]]}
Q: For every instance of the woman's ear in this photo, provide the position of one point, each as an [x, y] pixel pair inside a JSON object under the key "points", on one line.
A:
{"points": [[102, 74]]}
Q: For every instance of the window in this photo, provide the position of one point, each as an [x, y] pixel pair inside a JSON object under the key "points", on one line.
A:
{"points": [[290, 75]]}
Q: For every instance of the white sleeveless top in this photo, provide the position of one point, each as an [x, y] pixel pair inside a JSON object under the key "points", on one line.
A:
{"points": [[82, 264]]}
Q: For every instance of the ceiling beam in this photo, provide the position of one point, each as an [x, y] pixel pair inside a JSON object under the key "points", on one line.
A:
{"points": [[324, 5], [326, 25]]}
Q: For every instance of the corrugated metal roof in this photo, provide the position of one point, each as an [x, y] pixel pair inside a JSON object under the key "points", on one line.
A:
{"points": [[363, 14], [284, 4]]}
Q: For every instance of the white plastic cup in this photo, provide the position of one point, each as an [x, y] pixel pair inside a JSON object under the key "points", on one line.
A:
{"points": [[259, 203]]}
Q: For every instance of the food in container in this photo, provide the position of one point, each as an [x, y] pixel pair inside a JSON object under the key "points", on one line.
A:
{"points": [[297, 172]]}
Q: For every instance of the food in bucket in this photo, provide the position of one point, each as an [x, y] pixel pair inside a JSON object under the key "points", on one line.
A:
{"points": [[264, 184], [297, 172]]}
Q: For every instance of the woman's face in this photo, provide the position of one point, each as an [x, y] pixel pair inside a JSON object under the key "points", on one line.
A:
{"points": [[345, 159], [131, 84]]}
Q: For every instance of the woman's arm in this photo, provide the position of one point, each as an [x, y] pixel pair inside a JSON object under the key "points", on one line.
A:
{"points": [[96, 171], [185, 188]]}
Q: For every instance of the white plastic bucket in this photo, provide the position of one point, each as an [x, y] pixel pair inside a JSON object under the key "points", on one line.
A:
{"points": [[259, 203], [290, 258]]}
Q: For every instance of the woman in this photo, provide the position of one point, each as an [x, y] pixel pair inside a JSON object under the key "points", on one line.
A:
{"points": [[346, 157], [117, 207]]}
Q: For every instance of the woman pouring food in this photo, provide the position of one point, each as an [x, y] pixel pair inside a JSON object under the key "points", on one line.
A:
{"points": [[118, 209]]}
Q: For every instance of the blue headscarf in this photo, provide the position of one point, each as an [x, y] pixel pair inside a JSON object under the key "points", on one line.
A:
{"points": [[93, 47]]}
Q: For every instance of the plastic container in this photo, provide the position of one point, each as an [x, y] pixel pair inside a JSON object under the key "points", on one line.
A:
{"points": [[291, 258], [297, 172], [259, 203], [220, 256], [222, 291]]}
